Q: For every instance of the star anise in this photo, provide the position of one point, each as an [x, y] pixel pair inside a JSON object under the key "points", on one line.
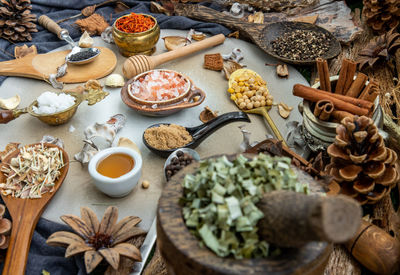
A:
{"points": [[379, 50], [98, 240]]}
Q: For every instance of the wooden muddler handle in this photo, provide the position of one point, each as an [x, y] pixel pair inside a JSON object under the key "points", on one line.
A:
{"points": [[292, 219], [49, 24], [375, 249], [186, 50]]}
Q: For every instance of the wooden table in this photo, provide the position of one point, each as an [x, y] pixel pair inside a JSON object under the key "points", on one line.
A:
{"points": [[78, 189]]}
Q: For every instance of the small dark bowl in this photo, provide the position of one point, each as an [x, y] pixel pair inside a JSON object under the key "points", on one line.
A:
{"points": [[201, 132], [274, 30]]}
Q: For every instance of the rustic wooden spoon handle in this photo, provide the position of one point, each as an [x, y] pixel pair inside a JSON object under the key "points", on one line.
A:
{"points": [[49, 24], [20, 241], [186, 50]]}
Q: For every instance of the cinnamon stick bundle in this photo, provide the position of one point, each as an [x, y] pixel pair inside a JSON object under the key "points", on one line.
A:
{"points": [[357, 85], [344, 103], [346, 76], [323, 72]]}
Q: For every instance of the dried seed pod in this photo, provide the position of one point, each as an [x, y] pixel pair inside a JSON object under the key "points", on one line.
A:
{"points": [[207, 114], [10, 103], [86, 41], [282, 70], [115, 80], [284, 110], [174, 42]]}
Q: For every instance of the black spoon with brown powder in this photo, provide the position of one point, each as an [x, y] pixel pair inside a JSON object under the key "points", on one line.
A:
{"points": [[201, 132]]}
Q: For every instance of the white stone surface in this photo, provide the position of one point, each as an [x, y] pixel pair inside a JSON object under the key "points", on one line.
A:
{"points": [[78, 189]]}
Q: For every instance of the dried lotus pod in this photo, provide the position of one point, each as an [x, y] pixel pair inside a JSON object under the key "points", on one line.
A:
{"points": [[360, 162]]}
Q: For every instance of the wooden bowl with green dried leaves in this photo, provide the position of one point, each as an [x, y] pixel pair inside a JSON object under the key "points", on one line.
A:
{"points": [[198, 239]]}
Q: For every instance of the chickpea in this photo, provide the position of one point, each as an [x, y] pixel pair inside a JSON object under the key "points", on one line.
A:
{"points": [[247, 101], [249, 105], [257, 104], [263, 103], [237, 89], [269, 102], [253, 98], [240, 100], [252, 93], [251, 80], [246, 89], [245, 97], [270, 97], [242, 105], [266, 94]]}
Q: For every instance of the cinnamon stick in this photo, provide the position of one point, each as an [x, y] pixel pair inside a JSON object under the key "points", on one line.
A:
{"points": [[357, 85], [370, 92], [323, 109], [340, 115], [346, 76], [323, 72], [315, 95]]}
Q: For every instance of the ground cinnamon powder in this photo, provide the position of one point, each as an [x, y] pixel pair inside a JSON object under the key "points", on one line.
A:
{"points": [[167, 137]]}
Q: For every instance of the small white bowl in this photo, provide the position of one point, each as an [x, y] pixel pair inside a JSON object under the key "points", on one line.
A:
{"points": [[123, 185]]}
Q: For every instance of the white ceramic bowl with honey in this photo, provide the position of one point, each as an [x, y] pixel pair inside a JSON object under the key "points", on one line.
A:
{"points": [[112, 171]]}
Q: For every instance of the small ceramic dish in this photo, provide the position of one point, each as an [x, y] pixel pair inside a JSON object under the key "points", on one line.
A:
{"points": [[192, 96], [188, 151], [201, 132], [123, 185]]}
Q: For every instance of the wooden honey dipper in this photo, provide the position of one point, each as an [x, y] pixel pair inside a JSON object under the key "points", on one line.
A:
{"points": [[137, 64]]}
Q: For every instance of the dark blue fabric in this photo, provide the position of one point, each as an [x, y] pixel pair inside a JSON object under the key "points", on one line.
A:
{"points": [[60, 9], [42, 256]]}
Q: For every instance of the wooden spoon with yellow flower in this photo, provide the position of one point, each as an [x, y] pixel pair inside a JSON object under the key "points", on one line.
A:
{"points": [[99, 240]]}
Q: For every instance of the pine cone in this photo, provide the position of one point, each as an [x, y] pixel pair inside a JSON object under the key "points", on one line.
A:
{"points": [[360, 162], [16, 20], [382, 15], [5, 229]]}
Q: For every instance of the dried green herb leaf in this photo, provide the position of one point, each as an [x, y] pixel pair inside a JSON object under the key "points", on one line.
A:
{"points": [[219, 202]]}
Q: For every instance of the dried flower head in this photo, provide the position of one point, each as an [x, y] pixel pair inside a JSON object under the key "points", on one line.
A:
{"points": [[99, 240]]}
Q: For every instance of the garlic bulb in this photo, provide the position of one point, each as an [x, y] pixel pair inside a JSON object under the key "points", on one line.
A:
{"points": [[115, 80], [86, 41]]}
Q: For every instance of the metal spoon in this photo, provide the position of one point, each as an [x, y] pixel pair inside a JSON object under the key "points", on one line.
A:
{"points": [[63, 34]]}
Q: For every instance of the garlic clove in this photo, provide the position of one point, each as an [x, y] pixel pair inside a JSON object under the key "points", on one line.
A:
{"points": [[115, 80], [86, 41], [174, 42], [10, 103]]}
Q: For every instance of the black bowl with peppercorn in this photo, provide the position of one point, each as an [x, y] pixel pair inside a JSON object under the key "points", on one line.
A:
{"points": [[178, 160], [300, 43]]}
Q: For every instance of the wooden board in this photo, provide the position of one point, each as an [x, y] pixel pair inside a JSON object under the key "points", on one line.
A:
{"points": [[183, 255], [40, 66]]}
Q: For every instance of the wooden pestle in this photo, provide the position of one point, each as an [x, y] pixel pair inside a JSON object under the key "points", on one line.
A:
{"points": [[375, 249], [293, 219], [137, 64]]}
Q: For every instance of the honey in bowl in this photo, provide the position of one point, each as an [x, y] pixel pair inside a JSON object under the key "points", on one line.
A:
{"points": [[115, 165]]}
